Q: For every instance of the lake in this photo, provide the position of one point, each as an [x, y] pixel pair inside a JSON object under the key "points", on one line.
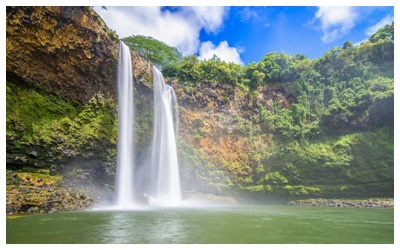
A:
{"points": [[266, 224]]}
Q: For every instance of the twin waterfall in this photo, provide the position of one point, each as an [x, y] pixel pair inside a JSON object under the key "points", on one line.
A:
{"points": [[160, 182]]}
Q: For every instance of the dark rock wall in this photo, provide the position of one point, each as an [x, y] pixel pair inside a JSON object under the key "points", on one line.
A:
{"points": [[68, 51]]}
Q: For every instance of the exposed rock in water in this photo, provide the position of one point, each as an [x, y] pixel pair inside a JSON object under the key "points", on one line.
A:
{"points": [[375, 203], [41, 199]]}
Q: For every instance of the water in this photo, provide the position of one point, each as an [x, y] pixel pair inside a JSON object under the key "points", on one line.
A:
{"points": [[125, 162], [241, 224], [163, 185]]}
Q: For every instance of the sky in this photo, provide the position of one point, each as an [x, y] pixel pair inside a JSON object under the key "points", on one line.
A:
{"points": [[244, 34]]}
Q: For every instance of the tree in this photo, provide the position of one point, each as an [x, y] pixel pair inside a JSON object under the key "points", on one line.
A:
{"points": [[258, 77], [188, 70], [382, 33], [157, 52], [348, 45], [392, 30]]}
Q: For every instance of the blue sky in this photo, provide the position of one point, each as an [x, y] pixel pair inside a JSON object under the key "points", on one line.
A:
{"points": [[246, 34]]}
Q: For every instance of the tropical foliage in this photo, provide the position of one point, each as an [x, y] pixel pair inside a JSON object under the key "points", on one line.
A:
{"points": [[159, 53], [335, 139]]}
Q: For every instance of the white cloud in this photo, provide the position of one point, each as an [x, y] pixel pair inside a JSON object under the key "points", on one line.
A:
{"points": [[336, 21], [210, 17], [382, 23], [246, 14], [223, 51], [179, 28]]}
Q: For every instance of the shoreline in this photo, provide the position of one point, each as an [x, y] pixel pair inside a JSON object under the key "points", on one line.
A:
{"points": [[28, 196], [355, 203]]}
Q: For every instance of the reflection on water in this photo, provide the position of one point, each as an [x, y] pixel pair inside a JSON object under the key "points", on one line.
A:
{"points": [[120, 227], [144, 227], [242, 224], [167, 229]]}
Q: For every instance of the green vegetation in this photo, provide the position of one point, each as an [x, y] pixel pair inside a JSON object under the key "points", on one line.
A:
{"points": [[335, 140], [337, 65], [210, 176], [159, 53], [387, 31], [191, 70], [35, 115], [143, 123], [29, 111], [47, 126], [335, 164], [38, 176], [347, 89]]}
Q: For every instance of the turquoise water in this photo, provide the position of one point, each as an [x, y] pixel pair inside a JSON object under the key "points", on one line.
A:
{"points": [[241, 224]]}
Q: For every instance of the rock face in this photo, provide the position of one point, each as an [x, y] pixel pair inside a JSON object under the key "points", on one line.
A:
{"points": [[68, 51], [62, 112], [27, 197], [216, 122]]}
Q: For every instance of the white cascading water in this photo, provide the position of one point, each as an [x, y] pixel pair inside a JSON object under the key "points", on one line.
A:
{"points": [[163, 185], [125, 162]]}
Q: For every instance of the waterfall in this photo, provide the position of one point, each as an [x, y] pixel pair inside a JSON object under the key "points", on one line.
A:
{"points": [[160, 183], [163, 187], [125, 161]]}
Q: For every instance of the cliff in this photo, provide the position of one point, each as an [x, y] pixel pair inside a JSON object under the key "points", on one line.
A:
{"points": [[216, 135], [68, 51], [62, 125], [62, 113], [229, 140]]}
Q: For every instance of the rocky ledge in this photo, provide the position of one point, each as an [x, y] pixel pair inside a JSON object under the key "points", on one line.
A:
{"points": [[36, 196], [369, 203]]}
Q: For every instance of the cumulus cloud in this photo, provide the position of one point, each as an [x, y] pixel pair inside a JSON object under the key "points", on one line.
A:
{"points": [[335, 21], [382, 23], [211, 18], [223, 51], [179, 28]]}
